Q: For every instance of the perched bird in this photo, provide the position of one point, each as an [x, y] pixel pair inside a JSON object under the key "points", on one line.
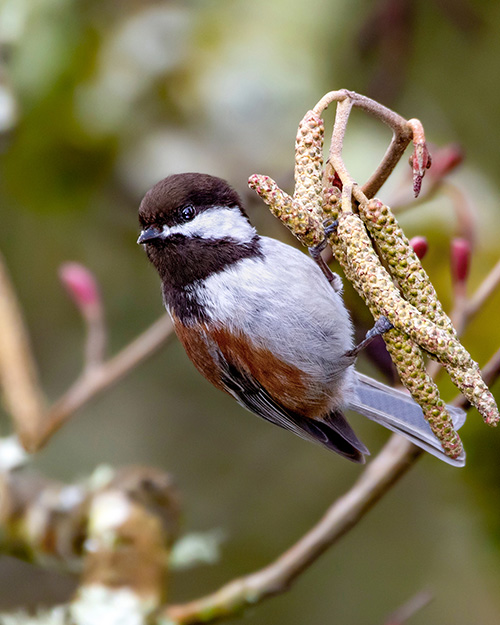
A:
{"points": [[261, 322]]}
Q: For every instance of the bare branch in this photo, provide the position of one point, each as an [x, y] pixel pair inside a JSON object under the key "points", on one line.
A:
{"points": [[397, 456], [402, 134], [390, 464], [24, 400], [83, 289], [18, 373], [466, 308], [33, 422], [411, 607], [487, 287], [491, 372], [99, 377]]}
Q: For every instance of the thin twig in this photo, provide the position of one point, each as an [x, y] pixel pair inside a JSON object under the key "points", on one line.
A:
{"points": [[96, 340], [339, 128], [465, 309], [33, 422], [410, 608], [83, 289], [99, 377], [487, 287], [392, 462], [402, 134], [491, 372]]}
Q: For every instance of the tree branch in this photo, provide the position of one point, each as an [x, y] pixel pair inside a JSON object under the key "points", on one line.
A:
{"points": [[94, 380], [391, 463], [411, 607], [18, 373], [396, 457], [403, 131]]}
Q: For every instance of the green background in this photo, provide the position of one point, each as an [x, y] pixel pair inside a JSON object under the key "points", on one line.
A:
{"points": [[112, 96]]}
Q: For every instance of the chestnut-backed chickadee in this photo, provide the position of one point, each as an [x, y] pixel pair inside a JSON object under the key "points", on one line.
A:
{"points": [[260, 321]]}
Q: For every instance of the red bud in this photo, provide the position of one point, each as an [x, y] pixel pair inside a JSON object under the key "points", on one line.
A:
{"points": [[81, 287], [460, 260], [420, 246], [420, 160]]}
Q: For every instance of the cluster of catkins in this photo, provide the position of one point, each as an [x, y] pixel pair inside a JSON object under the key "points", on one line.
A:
{"points": [[379, 261]]}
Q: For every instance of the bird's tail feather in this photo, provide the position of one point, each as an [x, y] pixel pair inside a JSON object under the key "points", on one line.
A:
{"points": [[397, 411]]}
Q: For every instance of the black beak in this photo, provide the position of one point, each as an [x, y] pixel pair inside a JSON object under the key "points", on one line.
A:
{"points": [[150, 234]]}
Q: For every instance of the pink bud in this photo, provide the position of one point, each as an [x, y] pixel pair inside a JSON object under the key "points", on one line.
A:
{"points": [[460, 260], [420, 246], [420, 160], [81, 286]]}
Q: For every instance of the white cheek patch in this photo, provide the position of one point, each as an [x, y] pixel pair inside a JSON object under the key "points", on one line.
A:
{"points": [[215, 223]]}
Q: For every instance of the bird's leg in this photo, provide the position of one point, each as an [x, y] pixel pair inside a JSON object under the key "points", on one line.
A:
{"points": [[315, 252], [381, 326]]}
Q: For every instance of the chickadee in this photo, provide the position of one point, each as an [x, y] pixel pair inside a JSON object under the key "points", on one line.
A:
{"points": [[261, 322]]}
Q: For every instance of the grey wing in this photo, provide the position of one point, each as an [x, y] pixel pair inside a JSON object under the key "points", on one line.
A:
{"points": [[334, 432], [286, 305], [398, 412]]}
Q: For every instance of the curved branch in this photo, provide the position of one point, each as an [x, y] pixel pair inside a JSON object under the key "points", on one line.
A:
{"points": [[403, 132], [380, 475]]}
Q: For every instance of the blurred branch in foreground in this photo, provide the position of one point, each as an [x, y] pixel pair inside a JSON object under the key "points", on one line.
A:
{"points": [[18, 372], [33, 423], [411, 607], [115, 529]]}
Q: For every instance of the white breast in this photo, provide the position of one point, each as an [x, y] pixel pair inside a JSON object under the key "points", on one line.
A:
{"points": [[284, 303]]}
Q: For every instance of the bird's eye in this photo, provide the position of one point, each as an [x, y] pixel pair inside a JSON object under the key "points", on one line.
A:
{"points": [[188, 212]]}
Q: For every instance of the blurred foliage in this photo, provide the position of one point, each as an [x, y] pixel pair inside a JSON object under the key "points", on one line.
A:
{"points": [[99, 100]]}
